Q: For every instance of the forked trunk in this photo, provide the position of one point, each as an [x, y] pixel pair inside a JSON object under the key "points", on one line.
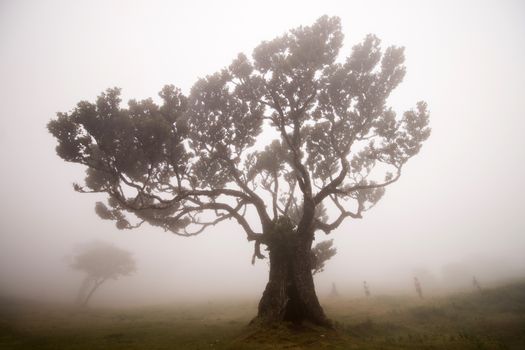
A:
{"points": [[90, 293], [88, 287], [290, 292]]}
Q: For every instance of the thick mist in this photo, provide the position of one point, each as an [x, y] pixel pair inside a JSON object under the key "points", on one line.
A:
{"points": [[454, 214]]}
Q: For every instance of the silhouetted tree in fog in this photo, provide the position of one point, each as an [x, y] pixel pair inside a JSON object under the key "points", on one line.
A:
{"points": [[366, 288], [100, 262], [476, 284], [417, 285], [334, 293], [194, 161]]}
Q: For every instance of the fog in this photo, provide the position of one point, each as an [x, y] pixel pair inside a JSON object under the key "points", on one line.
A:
{"points": [[455, 213]]}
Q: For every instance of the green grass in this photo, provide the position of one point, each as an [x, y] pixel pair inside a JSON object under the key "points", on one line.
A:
{"points": [[494, 319]]}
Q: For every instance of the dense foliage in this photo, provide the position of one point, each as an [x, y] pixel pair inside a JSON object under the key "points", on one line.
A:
{"points": [[335, 139]]}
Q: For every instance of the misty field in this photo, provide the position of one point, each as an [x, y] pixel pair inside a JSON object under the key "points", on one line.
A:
{"points": [[493, 319]]}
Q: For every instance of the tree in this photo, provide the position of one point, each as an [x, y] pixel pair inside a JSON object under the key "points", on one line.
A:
{"points": [[367, 289], [334, 293], [193, 161], [417, 285], [100, 262]]}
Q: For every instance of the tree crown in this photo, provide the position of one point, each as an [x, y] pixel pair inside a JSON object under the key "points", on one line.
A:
{"points": [[335, 144], [104, 261]]}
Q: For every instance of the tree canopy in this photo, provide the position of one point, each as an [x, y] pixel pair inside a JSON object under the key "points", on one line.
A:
{"points": [[296, 135], [103, 261]]}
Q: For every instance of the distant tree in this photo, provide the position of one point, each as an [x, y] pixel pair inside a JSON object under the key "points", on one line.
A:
{"points": [[100, 262], [417, 285], [334, 293], [367, 289], [336, 145], [475, 284]]}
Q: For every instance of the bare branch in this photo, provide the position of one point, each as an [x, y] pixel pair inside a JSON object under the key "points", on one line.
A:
{"points": [[327, 228], [347, 191]]}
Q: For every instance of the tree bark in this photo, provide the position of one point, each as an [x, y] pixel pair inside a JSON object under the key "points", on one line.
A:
{"points": [[290, 294]]}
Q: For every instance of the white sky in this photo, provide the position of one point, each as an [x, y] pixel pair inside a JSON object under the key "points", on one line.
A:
{"points": [[459, 201]]}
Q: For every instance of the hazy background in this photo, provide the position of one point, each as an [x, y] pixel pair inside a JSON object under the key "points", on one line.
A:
{"points": [[457, 211]]}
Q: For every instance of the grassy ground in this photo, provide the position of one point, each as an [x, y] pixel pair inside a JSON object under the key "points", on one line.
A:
{"points": [[494, 319]]}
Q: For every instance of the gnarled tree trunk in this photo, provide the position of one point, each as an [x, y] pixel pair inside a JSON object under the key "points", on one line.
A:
{"points": [[290, 292]]}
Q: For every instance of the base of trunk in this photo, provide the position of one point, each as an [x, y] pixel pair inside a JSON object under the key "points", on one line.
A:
{"points": [[290, 294], [303, 318]]}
